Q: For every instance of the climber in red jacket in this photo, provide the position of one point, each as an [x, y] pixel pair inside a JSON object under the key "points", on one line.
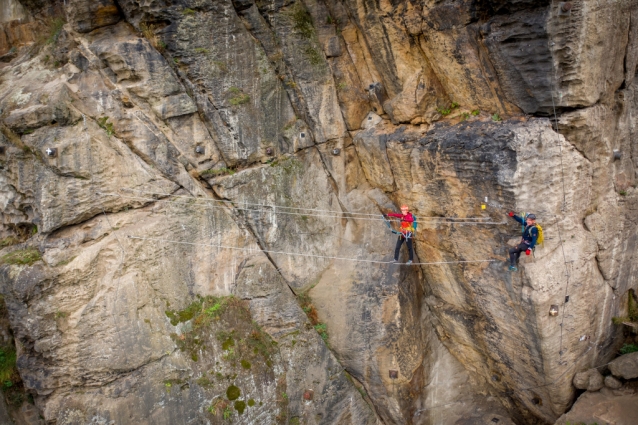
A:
{"points": [[406, 232]]}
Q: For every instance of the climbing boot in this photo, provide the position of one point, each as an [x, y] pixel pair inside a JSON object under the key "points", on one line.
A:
{"points": [[395, 261], [513, 269], [409, 262]]}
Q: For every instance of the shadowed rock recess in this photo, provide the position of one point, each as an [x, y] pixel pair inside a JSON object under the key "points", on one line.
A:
{"points": [[191, 195]]}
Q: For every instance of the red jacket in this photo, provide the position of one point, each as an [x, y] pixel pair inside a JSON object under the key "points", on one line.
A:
{"points": [[406, 222]]}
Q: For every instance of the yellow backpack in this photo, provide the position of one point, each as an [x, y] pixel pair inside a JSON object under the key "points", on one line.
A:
{"points": [[540, 239]]}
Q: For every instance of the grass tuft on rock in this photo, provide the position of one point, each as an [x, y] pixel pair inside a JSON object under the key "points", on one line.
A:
{"points": [[311, 312], [149, 33], [302, 21], [106, 125], [24, 257], [632, 310], [238, 97], [54, 29]]}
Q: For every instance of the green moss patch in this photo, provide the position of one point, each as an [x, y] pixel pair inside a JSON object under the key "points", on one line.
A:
{"points": [[229, 349], [233, 393], [10, 383], [240, 406]]}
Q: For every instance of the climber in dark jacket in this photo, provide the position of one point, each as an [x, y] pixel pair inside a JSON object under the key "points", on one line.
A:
{"points": [[528, 241], [406, 233]]}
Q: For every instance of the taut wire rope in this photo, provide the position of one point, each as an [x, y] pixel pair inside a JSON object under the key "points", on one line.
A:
{"points": [[554, 84], [277, 209], [297, 254]]}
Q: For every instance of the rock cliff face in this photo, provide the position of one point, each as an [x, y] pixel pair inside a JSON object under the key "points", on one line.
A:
{"points": [[192, 192]]}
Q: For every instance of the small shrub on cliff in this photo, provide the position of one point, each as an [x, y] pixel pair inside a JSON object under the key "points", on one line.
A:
{"points": [[629, 348], [54, 29], [322, 330], [227, 413], [475, 112], [22, 257], [443, 111], [148, 31], [302, 21], [106, 125], [496, 117], [7, 365], [188, 12], [238, 97]]}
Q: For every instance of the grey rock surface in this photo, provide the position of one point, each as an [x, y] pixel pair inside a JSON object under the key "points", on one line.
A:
{"points": [[625, 366], [179, 175], [613, 383], [590, 380]]}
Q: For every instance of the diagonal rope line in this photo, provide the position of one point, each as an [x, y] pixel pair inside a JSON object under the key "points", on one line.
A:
{"points": [[562, 171], [296, 254]]}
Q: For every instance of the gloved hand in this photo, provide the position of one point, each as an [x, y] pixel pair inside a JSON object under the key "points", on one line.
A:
{"points": [[528, 252], [511, 214]]}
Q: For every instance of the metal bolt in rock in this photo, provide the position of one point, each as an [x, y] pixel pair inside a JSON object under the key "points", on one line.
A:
{"points": [[566, 7], [52, 152], [200, 150], [336, 151], [553, 310]]}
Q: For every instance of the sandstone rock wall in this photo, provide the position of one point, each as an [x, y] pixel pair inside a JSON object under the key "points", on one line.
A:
{"points": [[163, 156]]}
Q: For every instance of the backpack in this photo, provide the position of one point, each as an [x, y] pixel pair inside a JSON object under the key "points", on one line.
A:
{"points": [[540, 239]]}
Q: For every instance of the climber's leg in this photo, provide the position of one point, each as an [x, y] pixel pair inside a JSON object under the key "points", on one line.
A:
{"points": [[397, 250], [515, 253], [410, 249]]}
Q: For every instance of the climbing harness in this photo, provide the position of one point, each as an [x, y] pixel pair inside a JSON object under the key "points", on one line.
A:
{"points": [[408, 235]]}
